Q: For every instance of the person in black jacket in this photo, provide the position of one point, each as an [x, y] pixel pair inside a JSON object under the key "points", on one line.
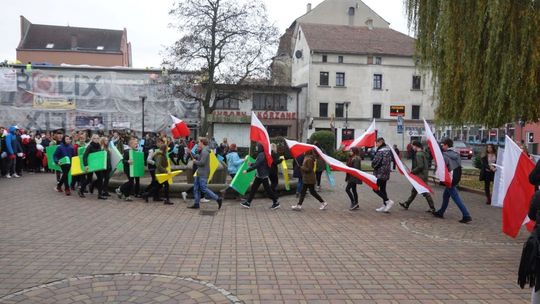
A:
{"points": [[104, 142], [534, 176], [65, 149], [273, 174], [487, 170], [125, 190], [297, 172], [94, 146], [261, 165]]}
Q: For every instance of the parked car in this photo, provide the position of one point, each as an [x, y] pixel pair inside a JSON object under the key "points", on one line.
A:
{"points": [[463, 149]]}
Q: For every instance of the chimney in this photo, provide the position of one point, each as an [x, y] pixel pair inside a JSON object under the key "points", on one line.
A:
{"points": [[73, 42], [308, 9], [369, 23]]}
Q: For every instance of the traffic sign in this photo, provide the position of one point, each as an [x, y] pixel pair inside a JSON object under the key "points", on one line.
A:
{"points": [[400, 125]]}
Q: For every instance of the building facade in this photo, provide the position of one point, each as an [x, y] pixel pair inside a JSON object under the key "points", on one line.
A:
{"points": [[353, 68], [57, 45], [275, 106]]}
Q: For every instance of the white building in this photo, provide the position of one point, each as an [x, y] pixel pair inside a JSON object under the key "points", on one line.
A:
{"points": [[352, 68]]}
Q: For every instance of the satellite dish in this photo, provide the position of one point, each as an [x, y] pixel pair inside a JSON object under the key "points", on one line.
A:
{"points": [[298, 54]]}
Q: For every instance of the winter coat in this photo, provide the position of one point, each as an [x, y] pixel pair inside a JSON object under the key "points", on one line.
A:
{"points": [[203, 163], [354, 162], [534, 176], [125, 159], [485, 171], [529, 266], [452, 159], [261, 165], [160, 161], [308, 172], [12, 144], [63, 151], [233, 162], [420, 165], [382, 163]]}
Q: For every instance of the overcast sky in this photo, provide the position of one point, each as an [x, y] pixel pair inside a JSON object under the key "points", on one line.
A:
{"points": [[146, 21]]}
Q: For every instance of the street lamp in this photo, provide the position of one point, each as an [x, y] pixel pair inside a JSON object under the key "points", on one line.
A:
{"points": [[143, 98], [346, 114], [522, 125]]}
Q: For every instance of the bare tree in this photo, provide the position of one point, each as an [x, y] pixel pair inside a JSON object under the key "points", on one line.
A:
{"points": [[226, 42]]}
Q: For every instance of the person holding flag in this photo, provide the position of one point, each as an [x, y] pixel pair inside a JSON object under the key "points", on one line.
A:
{"points": [[263, 170], [381, 169], [354, 161], [420, 168], [202, 161], [104, 141], [309, 181], [452, 160], [65, 152]]}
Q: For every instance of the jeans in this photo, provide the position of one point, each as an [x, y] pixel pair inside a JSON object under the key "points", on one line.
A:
{"points": [[351, 192], [299, 185], [382, 190], [199, 185], [318, 176], [64, 178], [452, 192], [311, 189]]}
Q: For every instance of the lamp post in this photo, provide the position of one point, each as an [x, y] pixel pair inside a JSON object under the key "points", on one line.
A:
{"points": [[143, 98], [347, 118], [522, 125]]}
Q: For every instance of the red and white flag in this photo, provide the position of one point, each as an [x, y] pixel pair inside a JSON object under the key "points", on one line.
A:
{"points": [[179, 128], [258, 133], [516, 191], [365, 140], [442, 171], [416, 182], [297, 149]]}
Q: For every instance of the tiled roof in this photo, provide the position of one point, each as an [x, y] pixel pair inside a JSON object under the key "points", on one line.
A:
{"points": [[61, 37], [357, 40]]}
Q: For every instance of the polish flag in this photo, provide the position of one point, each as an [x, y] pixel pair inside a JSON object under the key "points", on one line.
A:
{"points": [[297, 149], [516, 191], [179, 128], [442, 172], [365, 140], [418, 184], [258, 134]]}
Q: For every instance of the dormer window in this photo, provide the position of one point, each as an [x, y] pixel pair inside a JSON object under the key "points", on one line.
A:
{"points": [[49, 45], [100, 48]]}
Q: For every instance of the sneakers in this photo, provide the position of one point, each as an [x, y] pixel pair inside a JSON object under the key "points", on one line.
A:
{"points": [[128, 199], [318, 188], [275, 206], [323, 206], [81, 193], [354, 206], [184, 196], [245, 204], [404, 205], [296, 207], [466, 220], [8, 176], [167, 202], [381, 208], [389, 205], [16, 175], [219, 202], [204, 200], [193, 207], [438, 214], [68, 192], [58, 189], [119, 193], [101, 197]]}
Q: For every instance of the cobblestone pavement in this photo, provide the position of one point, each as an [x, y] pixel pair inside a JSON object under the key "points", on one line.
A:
{"points": [[58, 249]]}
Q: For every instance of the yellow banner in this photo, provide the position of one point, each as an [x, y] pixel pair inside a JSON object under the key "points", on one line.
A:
{"points": [[60, 102], [161, 178], [285, 171]]}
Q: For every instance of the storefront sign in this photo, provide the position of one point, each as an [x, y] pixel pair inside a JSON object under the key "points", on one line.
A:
{"points": [[397, 110], [277, 115], [59, 102]]}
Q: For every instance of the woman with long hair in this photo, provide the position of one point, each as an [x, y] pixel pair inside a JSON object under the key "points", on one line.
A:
{"points": [[354, 161], [487, 170], [63, 153]]}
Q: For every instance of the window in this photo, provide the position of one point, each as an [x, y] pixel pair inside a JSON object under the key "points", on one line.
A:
{"points": [[340, 59], [340, 79], [323, 109], [377, 81], [416, 82], [415, 113], [49, 45], [275, 131], [351, 11], [323, 79], [369, 59], [378, 60], [376, 111], [324, 58], [340, 110], [269, 102], [227, 103]]}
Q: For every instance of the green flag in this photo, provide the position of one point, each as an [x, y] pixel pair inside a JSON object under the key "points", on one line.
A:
{"points": [[330, 176], [241, 181], [49, 151], [64, 161], [97, 161], [116, 158], [136, 169]]}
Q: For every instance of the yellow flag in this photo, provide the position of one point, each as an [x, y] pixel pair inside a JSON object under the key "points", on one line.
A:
{"points": [[76, 166], [161, 178], [213, 163], [285, 171]]}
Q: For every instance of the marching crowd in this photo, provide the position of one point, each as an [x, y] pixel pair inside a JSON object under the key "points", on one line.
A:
{"points": [[24, 151]]}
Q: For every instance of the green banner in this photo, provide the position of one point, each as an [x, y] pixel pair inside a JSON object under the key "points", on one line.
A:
{"points": [[136, 169], [49, 151], [241, 181]]}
